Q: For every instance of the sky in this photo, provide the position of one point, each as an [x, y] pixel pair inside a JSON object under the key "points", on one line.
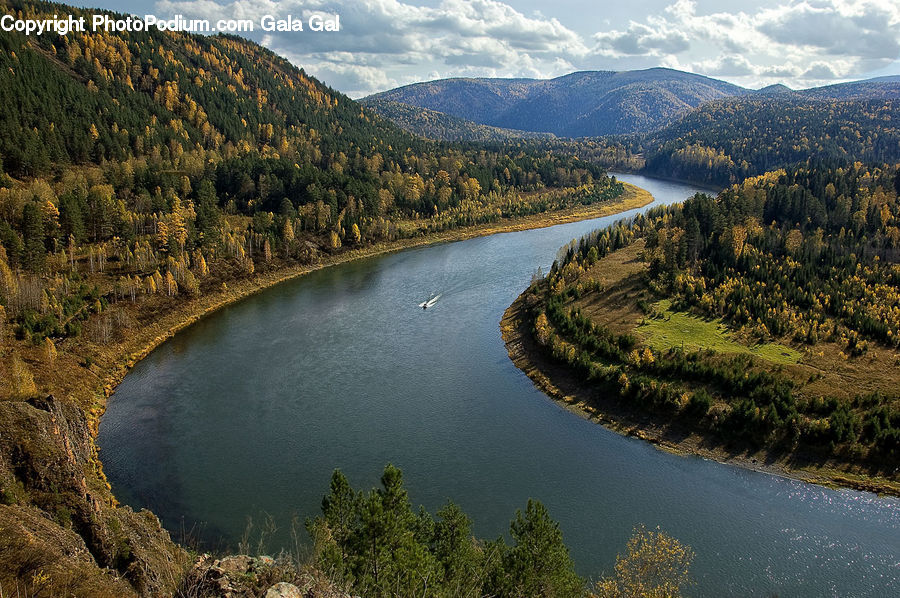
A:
{"points": [[387, 43]]}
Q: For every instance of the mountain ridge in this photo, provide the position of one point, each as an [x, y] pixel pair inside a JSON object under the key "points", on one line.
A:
{"points": [[582, 103], [600, 103]]}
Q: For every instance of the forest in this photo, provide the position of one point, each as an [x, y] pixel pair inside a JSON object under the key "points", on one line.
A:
{"points": [[145, 178], [724, 141], [138, 164], [805, 256]]}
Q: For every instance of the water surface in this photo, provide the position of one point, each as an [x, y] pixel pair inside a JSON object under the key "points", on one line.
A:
{"points": [[250, 410]]}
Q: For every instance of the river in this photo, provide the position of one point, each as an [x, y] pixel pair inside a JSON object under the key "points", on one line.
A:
{"points": [[249, 411]]}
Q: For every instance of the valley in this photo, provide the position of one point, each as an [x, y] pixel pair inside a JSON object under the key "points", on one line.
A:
{"points": [[213, 269]]}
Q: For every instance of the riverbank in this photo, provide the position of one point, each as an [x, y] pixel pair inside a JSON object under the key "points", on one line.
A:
{"points": [[558, 383]]}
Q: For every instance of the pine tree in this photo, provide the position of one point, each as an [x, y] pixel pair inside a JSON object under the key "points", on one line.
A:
{"points": [[456, 551], [539, 563], [33, 232]]}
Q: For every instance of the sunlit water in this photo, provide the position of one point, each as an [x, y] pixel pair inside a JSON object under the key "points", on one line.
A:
{"points": [[250, 410]]}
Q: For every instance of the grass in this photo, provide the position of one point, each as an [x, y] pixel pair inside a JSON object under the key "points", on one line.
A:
{"points": [[674, 328]]}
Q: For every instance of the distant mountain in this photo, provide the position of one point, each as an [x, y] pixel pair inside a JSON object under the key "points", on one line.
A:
{"points": [[439, 126], [881, 88], [775, 90], [589, 103]]}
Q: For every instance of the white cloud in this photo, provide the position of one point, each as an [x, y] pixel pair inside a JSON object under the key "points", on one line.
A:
{"points": [[808, 41], [731, 65], [388, 42], [640, 39], [483, 37]]}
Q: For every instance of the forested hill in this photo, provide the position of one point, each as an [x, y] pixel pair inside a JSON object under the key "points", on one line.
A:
{"points": [[167, 106], [590, 103], [725, 141], [799, 266], [432, 124], [93, 97]]}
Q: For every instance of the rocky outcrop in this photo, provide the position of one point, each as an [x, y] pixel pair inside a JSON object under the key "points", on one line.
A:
{"points": [[243, 576], [59, 523]]}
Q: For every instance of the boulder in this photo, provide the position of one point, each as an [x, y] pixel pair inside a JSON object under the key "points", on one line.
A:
{"points": [[284, 590]]}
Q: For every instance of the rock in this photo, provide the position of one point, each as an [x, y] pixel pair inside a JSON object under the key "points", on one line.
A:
{"points": [[48, 468], [235, 564], [284, 590]]}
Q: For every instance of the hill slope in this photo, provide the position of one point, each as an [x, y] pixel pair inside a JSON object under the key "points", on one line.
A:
{"points": [[589, 103], [765, 321], [432, 124], [724, 141]]}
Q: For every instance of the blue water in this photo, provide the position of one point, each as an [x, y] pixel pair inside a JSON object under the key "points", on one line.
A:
{"points": [[250, 410]]}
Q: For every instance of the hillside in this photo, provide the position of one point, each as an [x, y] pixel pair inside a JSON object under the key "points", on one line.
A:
{"points": [[724, 141], [762, 323], [681, 125], [590, 103], [432, 124]]}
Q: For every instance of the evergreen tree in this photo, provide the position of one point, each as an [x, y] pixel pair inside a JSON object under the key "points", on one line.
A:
{"points": [[33, 231], [208, 215], [538, 564]]}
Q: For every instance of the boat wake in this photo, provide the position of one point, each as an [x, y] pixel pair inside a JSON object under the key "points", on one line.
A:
{"points": [[430, 302]]}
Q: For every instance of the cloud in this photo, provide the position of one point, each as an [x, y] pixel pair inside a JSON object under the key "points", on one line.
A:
{"points": [[641, 39], [820, 70], [387, 42], [866, 29], [485, 37], [731, 65], [810, 41]]}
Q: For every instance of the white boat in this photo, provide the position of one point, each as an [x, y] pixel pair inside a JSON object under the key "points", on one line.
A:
{"points": [[430, 302]]}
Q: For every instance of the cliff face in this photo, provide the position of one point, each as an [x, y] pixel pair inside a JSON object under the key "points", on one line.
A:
{"points": [[61, 532]]}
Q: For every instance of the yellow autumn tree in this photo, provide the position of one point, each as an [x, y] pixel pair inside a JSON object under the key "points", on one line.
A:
{"points": [[178, 226], [23, 386], [287, 232], [162, 235], [171, 285], [49, 350], [542, 329], [655, 565]]}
